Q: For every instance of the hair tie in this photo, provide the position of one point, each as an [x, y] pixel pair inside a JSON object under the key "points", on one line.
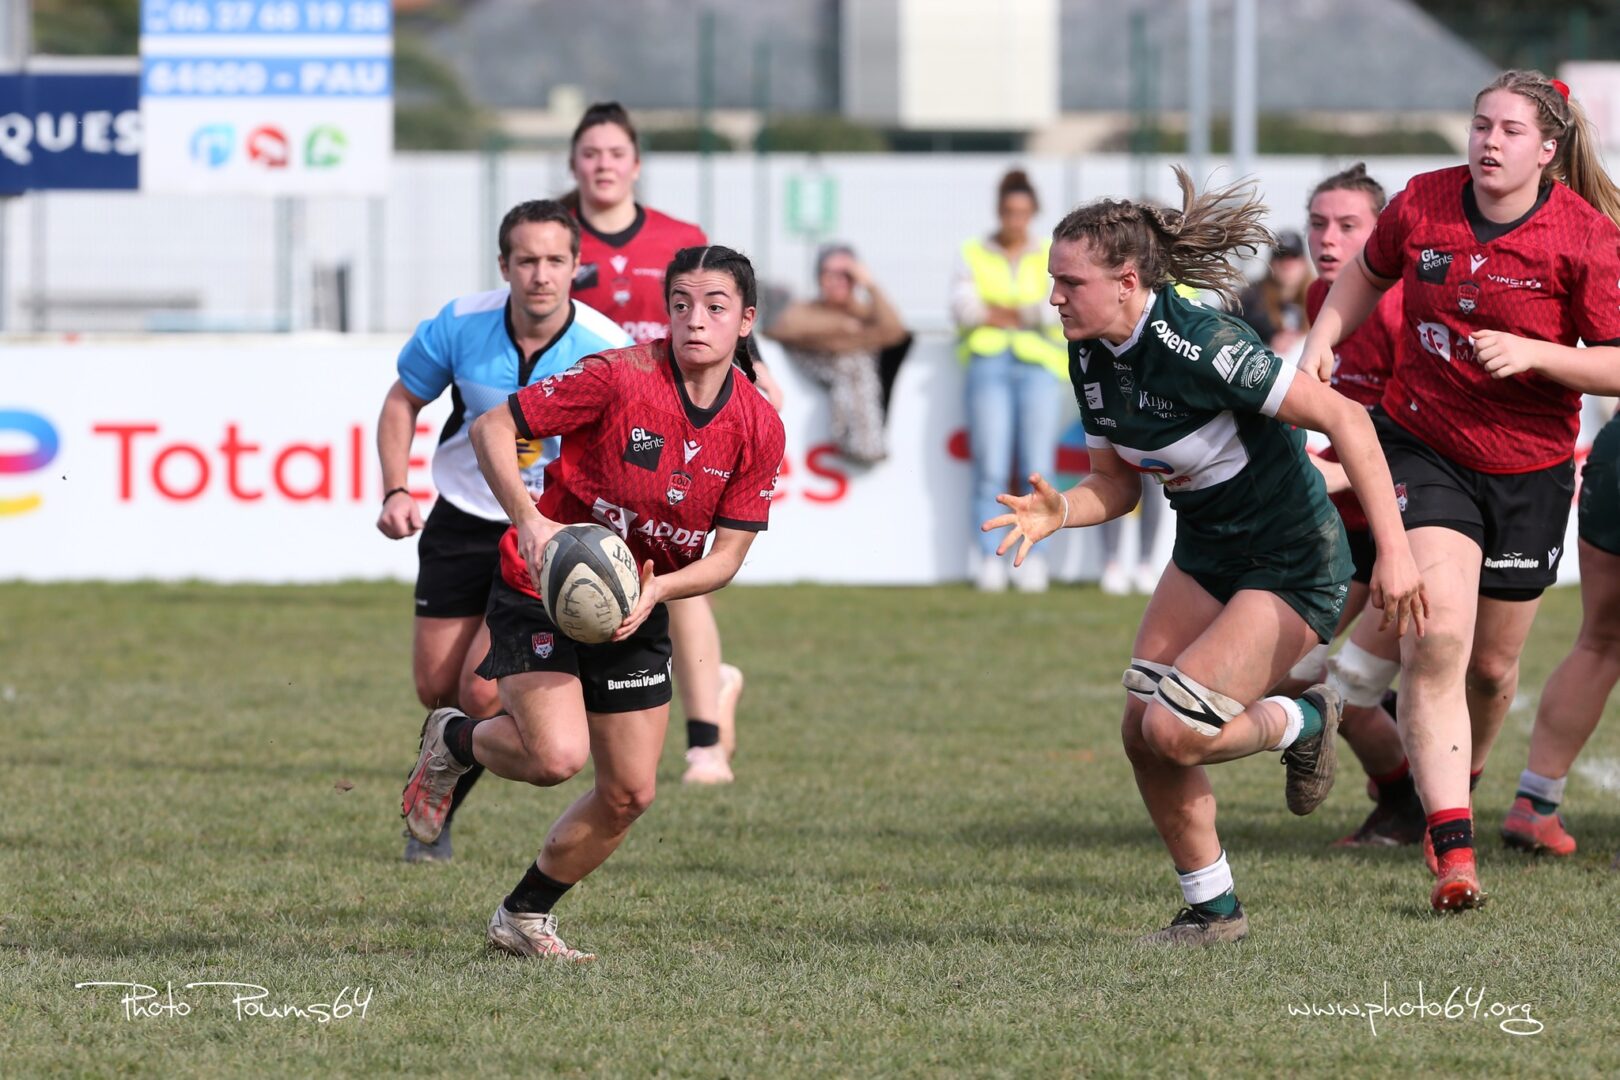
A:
{"points": [[1562, 87]]}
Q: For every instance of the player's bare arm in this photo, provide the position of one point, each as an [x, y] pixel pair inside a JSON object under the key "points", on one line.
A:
{"points": [[1592, 370], [1348, 303], [396, 427], [1397, 588], [492, 437], [706, 575]]}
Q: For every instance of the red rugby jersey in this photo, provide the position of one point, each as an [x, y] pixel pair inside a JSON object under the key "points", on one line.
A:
{"points": [[622, 274], [1553, 275], [640, 458]]}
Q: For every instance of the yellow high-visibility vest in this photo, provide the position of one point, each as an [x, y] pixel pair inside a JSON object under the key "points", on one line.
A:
{"points": [[994, 279]]}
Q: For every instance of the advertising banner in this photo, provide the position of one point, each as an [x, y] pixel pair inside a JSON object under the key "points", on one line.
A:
{"points": [[254, 459], [69, 131], [270, 97]]}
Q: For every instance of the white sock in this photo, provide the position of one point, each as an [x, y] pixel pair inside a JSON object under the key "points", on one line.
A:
{"points": [[1542, 787], [1296, 721], [1198, 886]]}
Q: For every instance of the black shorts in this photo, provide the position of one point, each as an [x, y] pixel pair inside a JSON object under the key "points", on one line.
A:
{"points": [[617, 676], [1599, 518], [457, 557], [1517, 519], [1363, 553]]}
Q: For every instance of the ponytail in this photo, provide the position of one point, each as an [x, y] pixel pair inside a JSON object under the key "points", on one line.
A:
{"points": [[1577, 162], [734, 263], [1190, 246], [744, 357]]}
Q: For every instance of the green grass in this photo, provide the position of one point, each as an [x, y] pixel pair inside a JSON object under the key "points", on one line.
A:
{"points": [[934, 862]]}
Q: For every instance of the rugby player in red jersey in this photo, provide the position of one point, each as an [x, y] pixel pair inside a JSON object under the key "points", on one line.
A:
{"points": [[661, 444], [624, 248], [1507, 263], [1340, 214]]}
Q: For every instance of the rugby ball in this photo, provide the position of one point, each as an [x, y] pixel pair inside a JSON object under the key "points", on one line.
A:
{"points": [[588, 582]]}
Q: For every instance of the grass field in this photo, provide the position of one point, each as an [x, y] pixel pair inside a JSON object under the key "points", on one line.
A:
{"points": [[934, 862]]}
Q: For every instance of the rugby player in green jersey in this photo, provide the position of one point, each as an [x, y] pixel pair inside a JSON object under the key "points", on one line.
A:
{"points": [[1260, 568]]}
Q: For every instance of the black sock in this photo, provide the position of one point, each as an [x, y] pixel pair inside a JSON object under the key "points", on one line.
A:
{"points": [[463, 785], [1452, 834], [1398, 792], [701, 733], [536, 894], [458, 736], [1473, 779]]}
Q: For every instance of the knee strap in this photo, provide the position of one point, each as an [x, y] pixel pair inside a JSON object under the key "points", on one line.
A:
{"points": [[1204, 710], [1312, 667], [1360, 677], [1141, 679]]}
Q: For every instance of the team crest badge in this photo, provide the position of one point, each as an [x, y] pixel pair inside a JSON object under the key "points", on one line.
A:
{"points": [[679, 484], [543, 644], [1467, 297], [1400, 497]]}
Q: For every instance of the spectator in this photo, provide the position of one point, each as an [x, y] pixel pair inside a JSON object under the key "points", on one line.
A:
{"points": [[1275, 305], [850, 340], [1018, 368]]}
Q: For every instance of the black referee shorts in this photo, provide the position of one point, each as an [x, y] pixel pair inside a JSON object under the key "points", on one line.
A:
{"points": [[457, 557]]}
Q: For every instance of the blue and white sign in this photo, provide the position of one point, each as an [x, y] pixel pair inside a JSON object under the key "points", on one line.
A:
{"points": [[267, 96], [69, 131]]}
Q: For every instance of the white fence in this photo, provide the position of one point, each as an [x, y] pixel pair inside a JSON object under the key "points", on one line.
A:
{"points": [[79, 261]]}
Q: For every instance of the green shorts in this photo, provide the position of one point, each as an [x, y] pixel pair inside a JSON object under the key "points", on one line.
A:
{"points": [[1599, 522], [1312, 576]]}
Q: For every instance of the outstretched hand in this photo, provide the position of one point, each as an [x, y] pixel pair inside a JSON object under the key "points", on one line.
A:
{"points": [[1034, 517]]}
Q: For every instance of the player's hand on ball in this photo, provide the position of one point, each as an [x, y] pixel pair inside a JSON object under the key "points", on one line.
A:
{"points": [[1034, 517], [1503, 355], [1397, 591], [651, 590], [533, 534], [400, 516]]}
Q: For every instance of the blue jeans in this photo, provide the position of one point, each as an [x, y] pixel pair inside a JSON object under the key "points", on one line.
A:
{"points": [[1011, 406]]}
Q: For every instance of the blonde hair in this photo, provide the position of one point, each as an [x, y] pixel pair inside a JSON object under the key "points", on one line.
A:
{"points": [[1577, 161], [1190, 246]]}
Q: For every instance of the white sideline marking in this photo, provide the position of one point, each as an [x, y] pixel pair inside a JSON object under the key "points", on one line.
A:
{"points": [[1601, 772]]}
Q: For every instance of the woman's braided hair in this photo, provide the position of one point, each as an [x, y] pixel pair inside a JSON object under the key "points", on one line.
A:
{"points": [[1190, 246]]}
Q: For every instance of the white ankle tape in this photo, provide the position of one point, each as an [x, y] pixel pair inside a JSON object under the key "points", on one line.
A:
{"points": [[1197, 886], [1542, 787], [1296, 721]]}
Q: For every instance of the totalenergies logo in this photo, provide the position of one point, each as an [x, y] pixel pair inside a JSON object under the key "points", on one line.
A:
{"points": [[32, 428]]}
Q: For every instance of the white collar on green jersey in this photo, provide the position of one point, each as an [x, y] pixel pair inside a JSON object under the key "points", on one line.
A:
{"points": [[1141, 324]]}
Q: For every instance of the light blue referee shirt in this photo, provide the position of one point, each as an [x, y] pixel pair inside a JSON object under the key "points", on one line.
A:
{"points": [[469, 348]]}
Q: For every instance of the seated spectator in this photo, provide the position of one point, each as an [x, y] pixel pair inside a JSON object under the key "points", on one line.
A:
{"points": [[1275, 305], [849, 339]]}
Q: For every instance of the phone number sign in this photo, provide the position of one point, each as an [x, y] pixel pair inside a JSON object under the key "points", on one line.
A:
{"points": [[277, 97]]}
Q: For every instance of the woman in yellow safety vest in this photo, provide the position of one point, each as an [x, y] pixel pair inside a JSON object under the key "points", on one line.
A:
{"points": [[1017, 367]]}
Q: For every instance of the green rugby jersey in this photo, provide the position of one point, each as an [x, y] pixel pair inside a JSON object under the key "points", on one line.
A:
{"points": [[1191, 397]]}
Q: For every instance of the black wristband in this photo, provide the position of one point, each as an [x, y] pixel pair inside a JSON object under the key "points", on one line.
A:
{"points": [[391, 492]]}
